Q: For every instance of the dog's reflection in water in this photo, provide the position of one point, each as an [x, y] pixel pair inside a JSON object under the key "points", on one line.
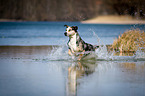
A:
{"points": [[75, 71]]}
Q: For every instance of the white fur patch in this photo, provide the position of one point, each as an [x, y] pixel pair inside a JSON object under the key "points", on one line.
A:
{"points": [[72, 43]]}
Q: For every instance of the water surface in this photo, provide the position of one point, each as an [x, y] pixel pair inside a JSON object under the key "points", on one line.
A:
{"points": [[52, 33], [30, 66], [37, 70]]}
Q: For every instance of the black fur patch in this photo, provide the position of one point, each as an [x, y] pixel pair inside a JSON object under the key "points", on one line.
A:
{"points": [[66, 26], [89, 47], [85, 46], [75, 28]]}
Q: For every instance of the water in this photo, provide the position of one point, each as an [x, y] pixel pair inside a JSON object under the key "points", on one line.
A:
{"points": [[31, 70], [52, 33], [35, 71]]}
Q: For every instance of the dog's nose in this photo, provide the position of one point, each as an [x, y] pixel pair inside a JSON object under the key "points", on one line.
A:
{"points": [[65, 34]]}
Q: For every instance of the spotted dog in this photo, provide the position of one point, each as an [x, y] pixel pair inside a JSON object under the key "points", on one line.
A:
{"points": [[76, 44]]}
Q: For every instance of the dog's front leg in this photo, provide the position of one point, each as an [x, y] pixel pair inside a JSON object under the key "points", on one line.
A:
{"points": [[81, 55], [70, 52]]}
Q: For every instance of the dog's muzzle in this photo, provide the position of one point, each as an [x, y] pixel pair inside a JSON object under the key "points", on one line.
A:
{"points": [[65, 34]]}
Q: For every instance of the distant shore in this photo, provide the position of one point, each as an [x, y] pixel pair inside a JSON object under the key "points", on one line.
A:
{"points": [[113, 19], [11, 20], [106, 19]]}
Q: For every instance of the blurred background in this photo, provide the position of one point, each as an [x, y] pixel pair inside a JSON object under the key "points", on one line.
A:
{"points": [[68, 10]]}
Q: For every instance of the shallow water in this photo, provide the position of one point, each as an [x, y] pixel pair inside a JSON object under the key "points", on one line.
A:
{"points": [[38, 70]]}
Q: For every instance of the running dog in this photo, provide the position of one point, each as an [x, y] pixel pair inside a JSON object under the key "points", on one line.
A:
{"points": [[76, 44]]}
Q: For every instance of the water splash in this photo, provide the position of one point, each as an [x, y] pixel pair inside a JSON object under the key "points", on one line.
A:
{"points": [[140, 54], [100, 54], [59, 54]]}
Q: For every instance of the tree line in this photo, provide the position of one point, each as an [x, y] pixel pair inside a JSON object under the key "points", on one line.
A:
{"points": [[68, 10]]}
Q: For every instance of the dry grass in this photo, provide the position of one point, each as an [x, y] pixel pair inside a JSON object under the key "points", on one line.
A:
{"points": [[129, 41]]}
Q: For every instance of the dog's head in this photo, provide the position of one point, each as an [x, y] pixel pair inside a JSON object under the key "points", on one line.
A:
{"points": [[70, 31]]}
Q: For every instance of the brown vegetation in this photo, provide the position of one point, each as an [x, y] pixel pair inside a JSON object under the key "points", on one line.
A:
{"points": [[129, 41], [134, 8]]}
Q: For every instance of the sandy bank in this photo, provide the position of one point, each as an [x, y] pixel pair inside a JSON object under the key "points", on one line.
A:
{"points": [[111, 19], [24, 51]]}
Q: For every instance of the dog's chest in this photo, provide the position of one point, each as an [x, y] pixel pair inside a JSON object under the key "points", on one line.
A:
{"points": [[72, 43]]}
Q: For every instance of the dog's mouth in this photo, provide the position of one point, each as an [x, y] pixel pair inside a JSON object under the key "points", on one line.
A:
{"points": [[65, 34]]}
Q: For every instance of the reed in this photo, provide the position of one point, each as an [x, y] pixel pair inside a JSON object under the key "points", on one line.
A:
{"points": [[129, 41]]}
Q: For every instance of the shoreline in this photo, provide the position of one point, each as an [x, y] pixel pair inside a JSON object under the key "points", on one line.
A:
{"points": [[104, 19], [113, 19], [30, 45], [113, 22], [28, 51], [11, 47]]}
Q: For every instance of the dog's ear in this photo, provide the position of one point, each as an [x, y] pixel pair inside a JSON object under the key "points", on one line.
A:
{"points": [[66, 26], [75, 28]]}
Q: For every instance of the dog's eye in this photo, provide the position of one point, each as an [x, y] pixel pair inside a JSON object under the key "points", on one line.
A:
{"points": [[69, 29]]}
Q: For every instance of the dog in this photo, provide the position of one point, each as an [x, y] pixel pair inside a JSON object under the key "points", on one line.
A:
{"points": [[77, 47]]}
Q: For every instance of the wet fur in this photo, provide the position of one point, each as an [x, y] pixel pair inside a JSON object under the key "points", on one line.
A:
{"points": [[76, 44], [81, 45]]}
